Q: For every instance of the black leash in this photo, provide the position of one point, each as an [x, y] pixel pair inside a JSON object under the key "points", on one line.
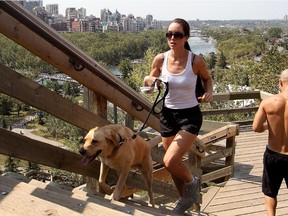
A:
{"points": [[156, 102]]}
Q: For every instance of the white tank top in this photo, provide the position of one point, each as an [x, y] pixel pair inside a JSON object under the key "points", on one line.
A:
{"points": [[182, 85]]}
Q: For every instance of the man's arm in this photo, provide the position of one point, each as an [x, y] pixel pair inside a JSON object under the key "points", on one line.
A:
{"points": [[260, 119]]}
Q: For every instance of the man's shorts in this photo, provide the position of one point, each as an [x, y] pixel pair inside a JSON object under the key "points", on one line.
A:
{"points": [[274, 171], [174, 120]]}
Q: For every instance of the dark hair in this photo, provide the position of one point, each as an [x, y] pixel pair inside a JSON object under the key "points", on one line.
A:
{"points": [[186, 28]]}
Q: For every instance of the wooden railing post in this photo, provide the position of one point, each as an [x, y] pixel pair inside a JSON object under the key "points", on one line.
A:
{"points": [[115, 114], [194, 162], [230, 143], [98, 105], [129, 121]]}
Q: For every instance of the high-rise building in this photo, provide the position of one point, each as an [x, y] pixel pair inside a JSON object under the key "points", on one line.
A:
{"points": [[105, 14], [81, 13], [149, 19], [52, 8], [30, 4], [40, 3], [70, 13], [128, 23]]}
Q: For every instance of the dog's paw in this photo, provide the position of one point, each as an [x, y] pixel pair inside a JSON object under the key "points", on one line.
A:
{"points": [[125, 193], [115, 196], [128, 192], [106, 188], [110, 197]]}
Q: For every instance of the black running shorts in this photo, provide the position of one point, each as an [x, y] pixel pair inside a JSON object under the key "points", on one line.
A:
{"points": [[275, 169], [174, 120]]}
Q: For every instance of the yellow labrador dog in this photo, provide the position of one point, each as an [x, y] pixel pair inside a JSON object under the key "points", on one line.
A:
{"points": [[119, 151]]}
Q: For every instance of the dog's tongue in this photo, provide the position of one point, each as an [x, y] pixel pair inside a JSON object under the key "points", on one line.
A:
{"points": [[86, 160]]}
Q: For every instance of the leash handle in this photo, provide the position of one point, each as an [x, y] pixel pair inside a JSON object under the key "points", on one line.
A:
{"points": [[154, 85], [156, 102]]}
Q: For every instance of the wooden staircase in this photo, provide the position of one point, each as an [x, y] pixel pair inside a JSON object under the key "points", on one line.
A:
{"points": [[29, 197], [23, 196]]}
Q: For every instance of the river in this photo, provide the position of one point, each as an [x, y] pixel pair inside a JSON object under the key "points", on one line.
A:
{"points": [[199, 45]]}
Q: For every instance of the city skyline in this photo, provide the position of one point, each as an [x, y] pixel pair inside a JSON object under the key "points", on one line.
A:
{"points": [[187, 9]]}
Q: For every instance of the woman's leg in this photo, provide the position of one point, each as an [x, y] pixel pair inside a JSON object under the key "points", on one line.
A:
{"points": [[271, 204], [176, 147], [166, 141]]}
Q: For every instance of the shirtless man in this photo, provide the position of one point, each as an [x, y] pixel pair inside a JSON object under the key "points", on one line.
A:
{"points": [[273, 115]]}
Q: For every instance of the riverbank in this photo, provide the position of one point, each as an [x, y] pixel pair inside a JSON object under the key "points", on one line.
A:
{"points": [[202, 45]]}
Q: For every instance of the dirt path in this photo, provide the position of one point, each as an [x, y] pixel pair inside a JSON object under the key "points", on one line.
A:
{"points": [[19, 127], [28, 133]]}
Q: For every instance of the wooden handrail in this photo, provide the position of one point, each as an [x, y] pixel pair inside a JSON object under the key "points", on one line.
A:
{"points": [[236, 95], [228, 111], [47, 33], [104, 83]]}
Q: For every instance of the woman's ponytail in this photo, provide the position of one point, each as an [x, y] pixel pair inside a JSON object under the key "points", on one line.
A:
{"points": [[187, 46]]}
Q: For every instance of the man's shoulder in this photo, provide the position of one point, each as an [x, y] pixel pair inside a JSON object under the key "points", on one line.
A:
{"points": [[273, 97], [274, 101]]}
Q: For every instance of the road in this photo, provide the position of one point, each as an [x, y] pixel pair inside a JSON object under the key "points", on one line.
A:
{"points": [[20, 128], [29, 133]]}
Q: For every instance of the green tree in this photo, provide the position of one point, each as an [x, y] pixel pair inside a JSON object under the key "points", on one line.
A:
{"points": [[32, 166], [265, 75], [112, 47], [274, 32], [6, 105], [40, 118], [221, 60], [11, 165], [211, 60], [53, 126], [126, 68], [19, 106], [54, 85], [142, 69], [71, 89], [4, 124]]}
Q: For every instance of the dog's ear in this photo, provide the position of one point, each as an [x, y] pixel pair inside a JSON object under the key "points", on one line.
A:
{"points": [[113, 137]]}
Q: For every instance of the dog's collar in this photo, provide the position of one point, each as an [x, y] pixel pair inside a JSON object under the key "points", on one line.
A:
{"points": [[121, 139]]}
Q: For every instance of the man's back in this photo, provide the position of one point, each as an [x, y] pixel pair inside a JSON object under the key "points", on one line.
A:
{"points": [[274, 109], [273, 115]]}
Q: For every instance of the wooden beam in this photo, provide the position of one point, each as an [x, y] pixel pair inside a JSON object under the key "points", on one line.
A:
{"points": [[264, 95], [223, 172], [157, 153], [215, 156], [155, 141], [219, 134], [40, 97], [229, 111], [236, 95], [229, 161], [22, 147]]}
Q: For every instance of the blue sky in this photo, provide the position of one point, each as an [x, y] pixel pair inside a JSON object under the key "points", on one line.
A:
{"points": [[187, 9]]}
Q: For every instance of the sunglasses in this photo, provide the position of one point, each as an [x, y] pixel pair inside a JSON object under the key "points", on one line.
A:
{"points": [[177, 35]]}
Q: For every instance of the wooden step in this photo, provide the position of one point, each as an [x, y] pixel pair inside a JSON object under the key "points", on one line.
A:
{"points": [[30, 197]]}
